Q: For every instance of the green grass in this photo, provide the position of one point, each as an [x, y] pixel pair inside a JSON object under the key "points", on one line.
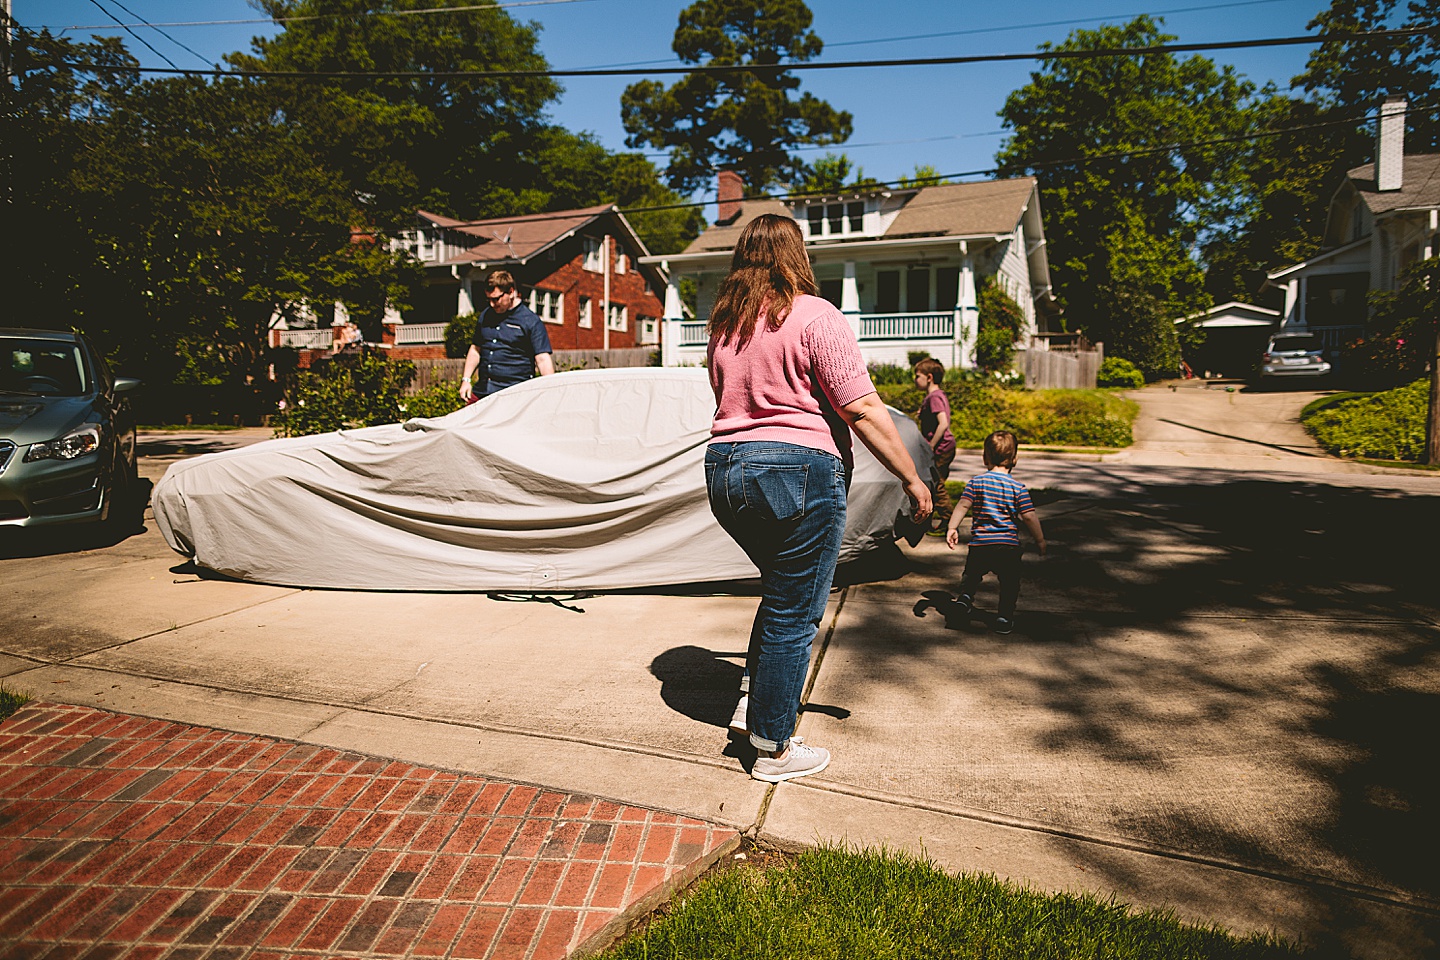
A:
{"points": [[838, 903], [1320, 403], [10, 701]]}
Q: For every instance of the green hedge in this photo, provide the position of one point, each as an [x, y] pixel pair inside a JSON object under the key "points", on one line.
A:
{"points": [[1072, 418], [1379, 426]]}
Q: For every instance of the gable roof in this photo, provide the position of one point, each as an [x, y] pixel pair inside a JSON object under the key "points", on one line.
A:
{"points": [[1420, 185], [518, 239], [983, 208]]}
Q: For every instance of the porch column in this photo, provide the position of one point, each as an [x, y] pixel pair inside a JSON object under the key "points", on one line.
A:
{"points": [[1292, 299], [850, 297], [670, 326], [465, 302], [967, 312]]}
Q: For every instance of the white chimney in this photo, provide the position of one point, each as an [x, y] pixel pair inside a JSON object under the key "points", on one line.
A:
{"points": [[1390, 145]]}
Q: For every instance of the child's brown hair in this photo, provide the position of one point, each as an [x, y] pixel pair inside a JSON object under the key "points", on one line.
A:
{"points": [[932, 368], [1000, 448]]}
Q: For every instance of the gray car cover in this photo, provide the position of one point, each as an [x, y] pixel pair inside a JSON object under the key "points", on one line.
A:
{"points": [[588, 480]]}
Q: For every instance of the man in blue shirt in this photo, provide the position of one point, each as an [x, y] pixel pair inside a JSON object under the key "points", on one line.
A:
{"points": [[510, 342]]}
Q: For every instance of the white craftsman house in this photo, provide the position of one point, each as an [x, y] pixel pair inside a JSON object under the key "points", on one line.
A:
{"points": [[1385, 216], [902, 264]]}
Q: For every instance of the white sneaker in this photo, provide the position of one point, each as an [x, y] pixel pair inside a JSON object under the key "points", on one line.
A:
{"points": [[738, 723], [800, 761]]}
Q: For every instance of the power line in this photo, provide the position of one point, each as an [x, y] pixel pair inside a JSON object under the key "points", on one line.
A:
{"points": [[878, 143], [1418, 107], [326, 16], [134, 34], [162, 33], [1378, 36]]}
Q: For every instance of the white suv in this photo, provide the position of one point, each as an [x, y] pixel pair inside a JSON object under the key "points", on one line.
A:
{"points": [[1294, 355]]}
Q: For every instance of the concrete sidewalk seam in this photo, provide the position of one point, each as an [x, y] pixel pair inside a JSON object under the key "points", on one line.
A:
{"points": [[616, 745]]}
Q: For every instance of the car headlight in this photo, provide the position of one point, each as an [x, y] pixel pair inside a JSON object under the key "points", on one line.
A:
{"points": [[79, 442]]}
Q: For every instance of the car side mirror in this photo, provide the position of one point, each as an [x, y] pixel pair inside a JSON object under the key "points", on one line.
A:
{"points": [[125, 384]]}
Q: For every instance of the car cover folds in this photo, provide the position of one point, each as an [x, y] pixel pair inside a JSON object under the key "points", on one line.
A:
{"points": [[588, 480]]}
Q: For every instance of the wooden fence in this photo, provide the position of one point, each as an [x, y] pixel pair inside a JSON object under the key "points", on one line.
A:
{"points": [[1059, 368], [430, 372]]}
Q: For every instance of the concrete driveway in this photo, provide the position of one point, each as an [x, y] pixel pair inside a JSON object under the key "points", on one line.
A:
{"points": [[1219, 698]]}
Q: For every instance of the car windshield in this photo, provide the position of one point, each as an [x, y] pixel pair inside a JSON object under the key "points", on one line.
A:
{"points": [[1300, 342], [37, 367]]}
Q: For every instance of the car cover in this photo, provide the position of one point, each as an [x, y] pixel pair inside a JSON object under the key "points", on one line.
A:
{"points": [[581, 481]]}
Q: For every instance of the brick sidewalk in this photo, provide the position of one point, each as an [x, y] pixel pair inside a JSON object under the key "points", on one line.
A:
{"points": [[122, 836]]}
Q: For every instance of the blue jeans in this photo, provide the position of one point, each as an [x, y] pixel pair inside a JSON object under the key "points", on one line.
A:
{"points": [[785, 506]]}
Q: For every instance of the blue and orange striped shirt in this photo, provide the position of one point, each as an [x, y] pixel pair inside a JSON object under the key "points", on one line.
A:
{"points": [[996, 500]]}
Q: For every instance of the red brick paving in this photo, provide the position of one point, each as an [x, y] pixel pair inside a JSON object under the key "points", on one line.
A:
{"points": [[141, 839]]}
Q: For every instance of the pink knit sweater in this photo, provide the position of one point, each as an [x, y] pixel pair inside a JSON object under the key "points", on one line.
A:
{"points": [[787, 384]]}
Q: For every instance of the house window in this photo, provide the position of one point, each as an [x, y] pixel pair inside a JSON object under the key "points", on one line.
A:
{"points": [[1336, 299], [586, 312], [835, 219], [855, 216], [917, 289], [621, 261], [593, 261], [616, 317], [832, 290], [548, 305], [887, 291]]}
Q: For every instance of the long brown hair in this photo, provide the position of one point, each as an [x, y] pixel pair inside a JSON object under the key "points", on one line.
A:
{"points": [[768, 271]]}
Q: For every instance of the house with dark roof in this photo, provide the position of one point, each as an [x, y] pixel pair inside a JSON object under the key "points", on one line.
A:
{"points": [[1385, 216], [903, 265], [581, 271]]}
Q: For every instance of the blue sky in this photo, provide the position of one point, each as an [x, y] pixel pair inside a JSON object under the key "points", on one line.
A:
{"points": [[944, 116]]}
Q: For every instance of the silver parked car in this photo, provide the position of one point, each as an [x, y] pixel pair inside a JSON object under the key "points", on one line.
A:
{"points": [[1294, 355], [67, 436]]}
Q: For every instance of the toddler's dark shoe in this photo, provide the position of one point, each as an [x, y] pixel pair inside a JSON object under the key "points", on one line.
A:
{"points": [[1002, 625]]}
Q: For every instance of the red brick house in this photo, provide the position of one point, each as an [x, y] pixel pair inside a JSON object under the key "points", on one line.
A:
{"points": [[579, 271]]}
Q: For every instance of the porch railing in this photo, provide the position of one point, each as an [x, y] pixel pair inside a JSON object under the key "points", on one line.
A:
{"points": [[420, 333], [907, 326], [692, 334], [307, 339]]}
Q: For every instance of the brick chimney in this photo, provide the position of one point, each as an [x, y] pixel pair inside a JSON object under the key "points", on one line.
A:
{"points": [[1390, 145], [732, 189]]}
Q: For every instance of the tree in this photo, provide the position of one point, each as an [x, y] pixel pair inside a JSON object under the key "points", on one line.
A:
{"points": [[999, 326], [828, 175], [1133, 191], [748, 119], [924, 175], [1354, 75]]}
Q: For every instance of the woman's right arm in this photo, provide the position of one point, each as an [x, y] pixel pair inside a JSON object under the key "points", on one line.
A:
{"points": [[870, 419]]}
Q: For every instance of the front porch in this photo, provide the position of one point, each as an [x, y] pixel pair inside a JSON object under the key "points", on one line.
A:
{"points": [[884, 338]]}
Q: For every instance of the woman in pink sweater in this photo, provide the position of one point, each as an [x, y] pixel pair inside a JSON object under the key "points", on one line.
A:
{"points": [[790, 384]]}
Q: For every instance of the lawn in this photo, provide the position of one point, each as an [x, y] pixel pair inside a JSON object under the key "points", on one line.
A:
{"points": [[838, 903]]}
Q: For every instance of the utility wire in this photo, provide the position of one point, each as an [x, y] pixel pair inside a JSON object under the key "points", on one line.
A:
{"points": [[1378, 36], [198, 56], [1418, 107], [326, 16], [135, 35]]}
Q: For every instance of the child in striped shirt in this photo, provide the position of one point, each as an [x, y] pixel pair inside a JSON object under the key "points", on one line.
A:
{"points": [[997, 501]]}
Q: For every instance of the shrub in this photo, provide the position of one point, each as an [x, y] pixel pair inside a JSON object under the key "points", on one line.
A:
{"points": [[890, 374], [1089, 418], [345, 391], [1119, 372], [1400, 336], [434, 401], [1000, 322], [1383, 426], [458, 335]]}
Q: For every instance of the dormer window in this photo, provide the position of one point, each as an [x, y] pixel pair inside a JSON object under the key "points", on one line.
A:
{"points": [[838, 219]]}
